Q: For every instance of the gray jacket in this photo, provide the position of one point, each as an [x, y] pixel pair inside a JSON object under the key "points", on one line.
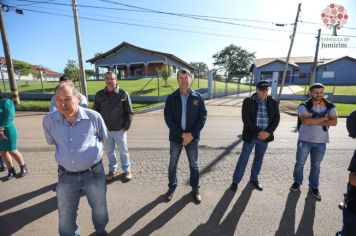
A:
{"points": [[116, 109]]}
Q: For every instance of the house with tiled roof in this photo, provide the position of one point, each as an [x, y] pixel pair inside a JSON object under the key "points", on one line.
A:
{"points": [[330, 71], [130, 61]]}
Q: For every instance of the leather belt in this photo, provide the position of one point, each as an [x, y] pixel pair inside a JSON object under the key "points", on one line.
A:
{"points": [[78, 172]]}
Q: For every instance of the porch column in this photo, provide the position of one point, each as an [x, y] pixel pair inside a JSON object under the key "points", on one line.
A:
{"points": [[145, 69], [97, 72], [128, 71]]}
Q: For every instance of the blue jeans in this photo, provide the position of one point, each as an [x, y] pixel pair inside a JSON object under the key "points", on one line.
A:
{"points": [[317, 151], [349, 227], [120, 139], [192, 153], [69, 191], [260, 149]]}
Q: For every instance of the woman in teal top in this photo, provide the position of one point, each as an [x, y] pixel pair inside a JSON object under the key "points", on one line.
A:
{"points": [[8, 139]]}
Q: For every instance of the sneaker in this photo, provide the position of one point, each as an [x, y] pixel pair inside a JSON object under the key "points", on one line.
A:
{"points": [[128, 175], [169, 194], [295, 187], [233, 187], [110, 175], [315, 193], [196, 195]]}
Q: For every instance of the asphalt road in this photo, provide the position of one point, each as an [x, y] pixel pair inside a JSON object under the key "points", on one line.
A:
{"points": [[28, 205]]}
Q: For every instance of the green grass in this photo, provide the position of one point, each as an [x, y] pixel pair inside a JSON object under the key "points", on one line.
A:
{"points": [[142, 87], [31, 105], [338, 90], [343, 109]]}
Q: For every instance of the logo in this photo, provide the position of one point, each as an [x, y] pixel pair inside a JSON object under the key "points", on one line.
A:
{"points": [[334, 17]]}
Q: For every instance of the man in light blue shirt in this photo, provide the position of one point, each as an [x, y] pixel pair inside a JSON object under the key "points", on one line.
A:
{"points": [[78, 134], [83, 101]]}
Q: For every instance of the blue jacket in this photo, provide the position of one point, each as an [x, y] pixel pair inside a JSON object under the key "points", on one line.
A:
{"points": [[196, 115]]}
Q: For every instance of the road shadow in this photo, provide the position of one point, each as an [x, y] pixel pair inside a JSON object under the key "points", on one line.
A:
{"points": [[306, 223], [211, 226], [12, 222], [165, 216], [13, 202], [229, 224], [221, 157], [135, 217], [287, 223]]}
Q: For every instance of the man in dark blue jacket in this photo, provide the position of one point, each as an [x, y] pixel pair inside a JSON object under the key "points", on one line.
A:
{"points": [[185, 116]]}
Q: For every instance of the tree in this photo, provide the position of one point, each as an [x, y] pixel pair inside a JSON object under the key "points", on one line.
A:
{"points": [[235, 60], [37, 69], [97, 54], [72, 70], [165, 73], [202, 69], [90, 73], [22, 68]]}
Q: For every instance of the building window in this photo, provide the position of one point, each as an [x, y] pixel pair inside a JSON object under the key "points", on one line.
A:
{"points": [[303, 75], [328, 74], [265, 75]]}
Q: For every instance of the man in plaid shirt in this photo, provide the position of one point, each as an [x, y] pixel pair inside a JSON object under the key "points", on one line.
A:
{"points": [[260, 115]]}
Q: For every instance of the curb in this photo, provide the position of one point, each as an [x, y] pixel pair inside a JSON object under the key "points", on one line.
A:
{"points": [[154, 108]]}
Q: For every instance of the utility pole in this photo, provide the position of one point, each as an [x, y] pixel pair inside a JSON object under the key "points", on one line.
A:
{"points": [[313, 75], [9, 65], [289, 52], [83, 83]]}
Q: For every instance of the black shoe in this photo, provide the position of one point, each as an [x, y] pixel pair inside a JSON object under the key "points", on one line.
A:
{"points": [[295, 187], [257, 185], [196, 195], [102, 234], [23, 171], [169, 194], [11, 174], [3, 168], [341, 205], [233, 187], [315, 193]]}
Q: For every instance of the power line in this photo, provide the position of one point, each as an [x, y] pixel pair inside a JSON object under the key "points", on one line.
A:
{"points": [[193, 16], [135, 19], [197, 17], [185, 14], [148, 26], [146, 10], [320, 24], [30, 4], [143, 10]]}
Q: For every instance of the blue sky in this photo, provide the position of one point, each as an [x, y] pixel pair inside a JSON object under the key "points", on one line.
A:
{"points": [[49, 39]]}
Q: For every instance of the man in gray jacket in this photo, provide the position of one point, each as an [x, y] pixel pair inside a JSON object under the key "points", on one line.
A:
{"points": [[114, 105]]}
